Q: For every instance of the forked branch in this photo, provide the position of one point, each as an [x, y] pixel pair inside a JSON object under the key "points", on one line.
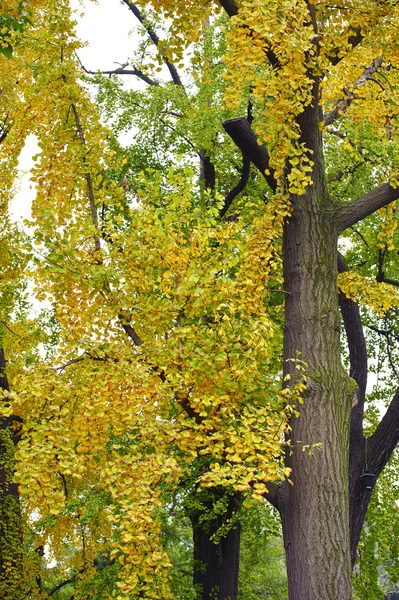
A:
{"points": [[124, 71], [240, 187]]}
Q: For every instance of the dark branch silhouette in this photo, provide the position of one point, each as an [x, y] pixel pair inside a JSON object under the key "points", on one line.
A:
{"points": [[229, 6], [238, 188], [124, 71], [243, 136], [155, 40], [357, 353]]}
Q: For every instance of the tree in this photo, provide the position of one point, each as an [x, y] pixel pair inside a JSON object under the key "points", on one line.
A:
{"points": [[312, 51], [172, 342], [102, 485]]}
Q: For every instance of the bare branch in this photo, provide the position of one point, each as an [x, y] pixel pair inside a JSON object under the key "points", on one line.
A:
{"points": [[123, 71], [155, 40], [73, 361], [393, 282], [3, 130], [90, 189], [59, 586], [372, 453], [242, 135], [357, 210], [381, 275], [3, 377], [207, 170], [343, 104]]}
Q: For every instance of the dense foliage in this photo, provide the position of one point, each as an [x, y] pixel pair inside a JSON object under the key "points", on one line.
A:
{"points": [[142, 310]]}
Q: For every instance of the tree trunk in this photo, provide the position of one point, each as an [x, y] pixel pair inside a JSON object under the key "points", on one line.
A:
{"points": [[11, 563], [216, 565], [315, 508]]}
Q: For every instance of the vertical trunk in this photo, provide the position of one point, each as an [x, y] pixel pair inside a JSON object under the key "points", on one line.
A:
{"points": [[315, 509], [11, 565], [216, 565]]}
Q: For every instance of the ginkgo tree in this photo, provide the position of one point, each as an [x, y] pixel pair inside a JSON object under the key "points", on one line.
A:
{"points": [[287, 62], [185, 377], [199, 307]]}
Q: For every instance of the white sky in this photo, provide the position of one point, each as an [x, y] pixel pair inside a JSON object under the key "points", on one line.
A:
{"points": [[106, 26]]}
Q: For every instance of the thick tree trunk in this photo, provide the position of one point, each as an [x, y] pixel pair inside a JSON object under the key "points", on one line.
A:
{"points": [[216, 565], [315, 508], [11, 564]]}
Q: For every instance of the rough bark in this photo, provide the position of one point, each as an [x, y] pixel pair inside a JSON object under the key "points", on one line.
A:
{"points": [[216, 565], [362, 207], [323, 511], [11, 563], [315, 508]]}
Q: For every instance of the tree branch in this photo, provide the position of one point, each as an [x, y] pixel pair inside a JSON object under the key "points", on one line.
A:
{"points": [[357, 354], [207, 170], [89, 181], [373, 453], [123, 71], [239, 187], [357, 210], [3, 377], [393, 282], [385, 438], [343, 104], [358, 498], [242, 135], [136, 339], [3, 130], [155, 40], [232, 10], [354, 40], [229, 6], [59, 586]]}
